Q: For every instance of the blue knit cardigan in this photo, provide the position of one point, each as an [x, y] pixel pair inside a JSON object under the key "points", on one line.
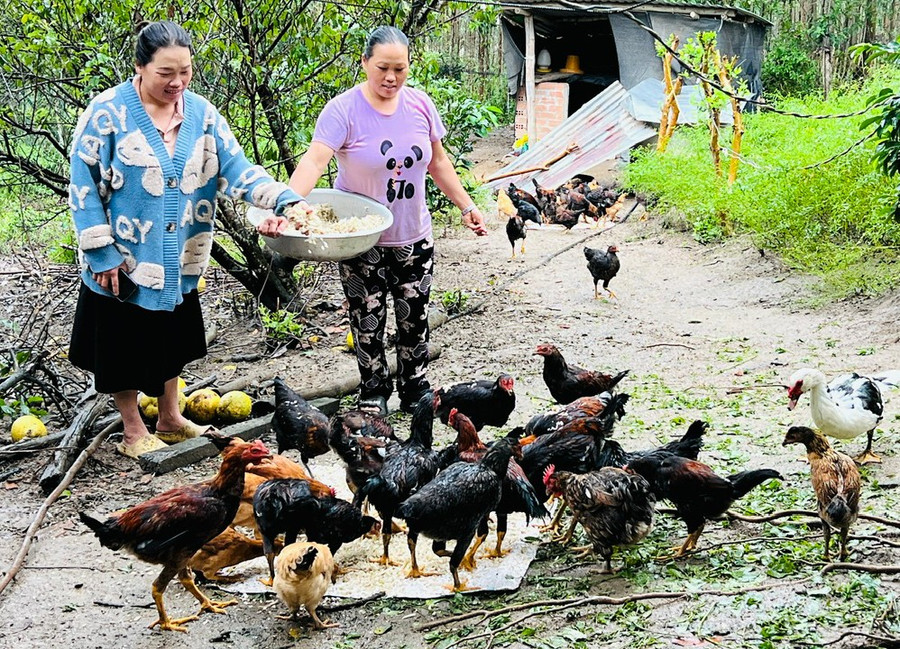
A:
{"points": [[131, 201]]}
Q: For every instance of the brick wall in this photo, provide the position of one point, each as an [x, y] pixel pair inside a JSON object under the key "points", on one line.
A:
{"points": [[551, 105]]}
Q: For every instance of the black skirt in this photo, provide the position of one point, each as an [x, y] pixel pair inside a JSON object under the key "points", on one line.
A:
{"points": [[128, 347]]}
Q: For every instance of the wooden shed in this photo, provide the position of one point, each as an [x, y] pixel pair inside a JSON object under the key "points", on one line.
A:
{"points": [[592, 46]]}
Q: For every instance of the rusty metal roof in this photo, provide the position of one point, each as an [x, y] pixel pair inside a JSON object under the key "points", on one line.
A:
{"points": [[602, 128], [702, 7]]}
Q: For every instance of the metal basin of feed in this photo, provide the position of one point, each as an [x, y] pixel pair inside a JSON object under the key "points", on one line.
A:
{"points": [[330, 246]]}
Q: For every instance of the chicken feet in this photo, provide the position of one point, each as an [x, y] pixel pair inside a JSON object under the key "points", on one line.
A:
{"points": [[414, 571], [468, 561]]}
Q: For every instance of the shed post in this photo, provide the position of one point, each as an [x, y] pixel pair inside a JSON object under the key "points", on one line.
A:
{"points": [[529, 79]]}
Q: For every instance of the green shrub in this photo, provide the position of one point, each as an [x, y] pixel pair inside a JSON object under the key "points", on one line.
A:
{"points": [[789, 68]]}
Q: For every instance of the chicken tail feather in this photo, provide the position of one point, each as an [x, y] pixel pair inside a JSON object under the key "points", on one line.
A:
{"points": [[105, 533], [745, 481], [618, 377], [305, 561], [838, 510]]}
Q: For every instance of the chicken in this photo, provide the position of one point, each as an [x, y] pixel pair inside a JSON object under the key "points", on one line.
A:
{"points": [[565, 217], [298, 425], [360, 438], [614, 507], [576, 202], [515, 194], [525, 204], [515, 230], [302, 578], [568, 382], [600, 196], [603, 266], [283, 505], [452, 506], [518, 494], [688, 446], [407, 468], [835, 480], [169, 528], [697, 493], [576, 446], [845, 408], [486, 403], [277, 466], [228, 549], [545, 197], [505, 205], [613, 455], [336, 522], [582, 407]]}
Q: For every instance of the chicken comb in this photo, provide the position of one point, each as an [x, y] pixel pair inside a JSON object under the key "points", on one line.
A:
{"points": [[548, 472]]}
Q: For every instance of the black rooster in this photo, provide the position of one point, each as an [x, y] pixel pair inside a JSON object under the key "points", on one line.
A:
{"points": [[282, 505], [407, 467], [451, 506], [360, 438], [515, 230], [486, 403], [696, 491], [298, 425], [518, 494], [603, 266], [569, 382]]}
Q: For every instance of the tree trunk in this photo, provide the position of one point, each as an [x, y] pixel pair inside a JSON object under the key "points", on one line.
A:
{"points": [[265, 274]]}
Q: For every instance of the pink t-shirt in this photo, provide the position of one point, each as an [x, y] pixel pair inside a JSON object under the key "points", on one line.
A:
{"points": [[385, 157]]}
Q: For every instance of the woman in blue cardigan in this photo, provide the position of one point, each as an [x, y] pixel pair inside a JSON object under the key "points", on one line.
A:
{"points": [[148, 158]]}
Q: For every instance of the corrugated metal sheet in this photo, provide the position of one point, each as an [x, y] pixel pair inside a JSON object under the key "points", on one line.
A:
{"points": [[704, 7], [602, 129]]}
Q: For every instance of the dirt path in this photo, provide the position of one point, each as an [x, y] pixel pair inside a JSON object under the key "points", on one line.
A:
{"points": [[690, 322]]}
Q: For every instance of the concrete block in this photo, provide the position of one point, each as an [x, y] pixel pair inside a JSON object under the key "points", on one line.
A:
{"points": [[189, 451]]}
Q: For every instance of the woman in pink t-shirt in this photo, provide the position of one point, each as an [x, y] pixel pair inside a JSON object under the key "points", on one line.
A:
{"points": [[386, 136]]}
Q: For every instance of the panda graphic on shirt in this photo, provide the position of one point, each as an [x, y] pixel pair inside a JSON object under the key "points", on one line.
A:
{"points": [[396, 161]]}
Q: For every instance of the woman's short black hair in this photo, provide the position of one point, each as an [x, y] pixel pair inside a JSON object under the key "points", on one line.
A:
{"points": [[385, 35], [155, 36]]}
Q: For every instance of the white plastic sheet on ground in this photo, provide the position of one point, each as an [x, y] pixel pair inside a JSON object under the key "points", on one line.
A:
{"points": [[365, 578]]}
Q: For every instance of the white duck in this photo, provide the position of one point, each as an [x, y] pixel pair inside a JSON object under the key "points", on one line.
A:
{"points": [[845, 408]]}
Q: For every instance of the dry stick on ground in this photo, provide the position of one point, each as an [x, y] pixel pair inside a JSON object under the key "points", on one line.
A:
{"points": [[882, 640], [862, 567], [353, 604], [784, 514], [543, 262], [42, 512], [740, 388], [563, 604], [667, 345], [62, 459]]}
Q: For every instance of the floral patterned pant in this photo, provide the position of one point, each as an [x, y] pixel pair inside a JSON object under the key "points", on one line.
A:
{"points": [[406, 274]]}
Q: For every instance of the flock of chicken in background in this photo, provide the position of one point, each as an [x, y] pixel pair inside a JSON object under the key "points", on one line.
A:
{"points": [[449, 494], [567, 205]]}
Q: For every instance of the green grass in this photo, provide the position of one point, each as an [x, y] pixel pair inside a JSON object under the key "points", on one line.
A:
{"points": [[832, 220]]}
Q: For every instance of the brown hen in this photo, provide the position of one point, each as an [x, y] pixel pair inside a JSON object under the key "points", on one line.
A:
{"points": [[835, 480]]}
